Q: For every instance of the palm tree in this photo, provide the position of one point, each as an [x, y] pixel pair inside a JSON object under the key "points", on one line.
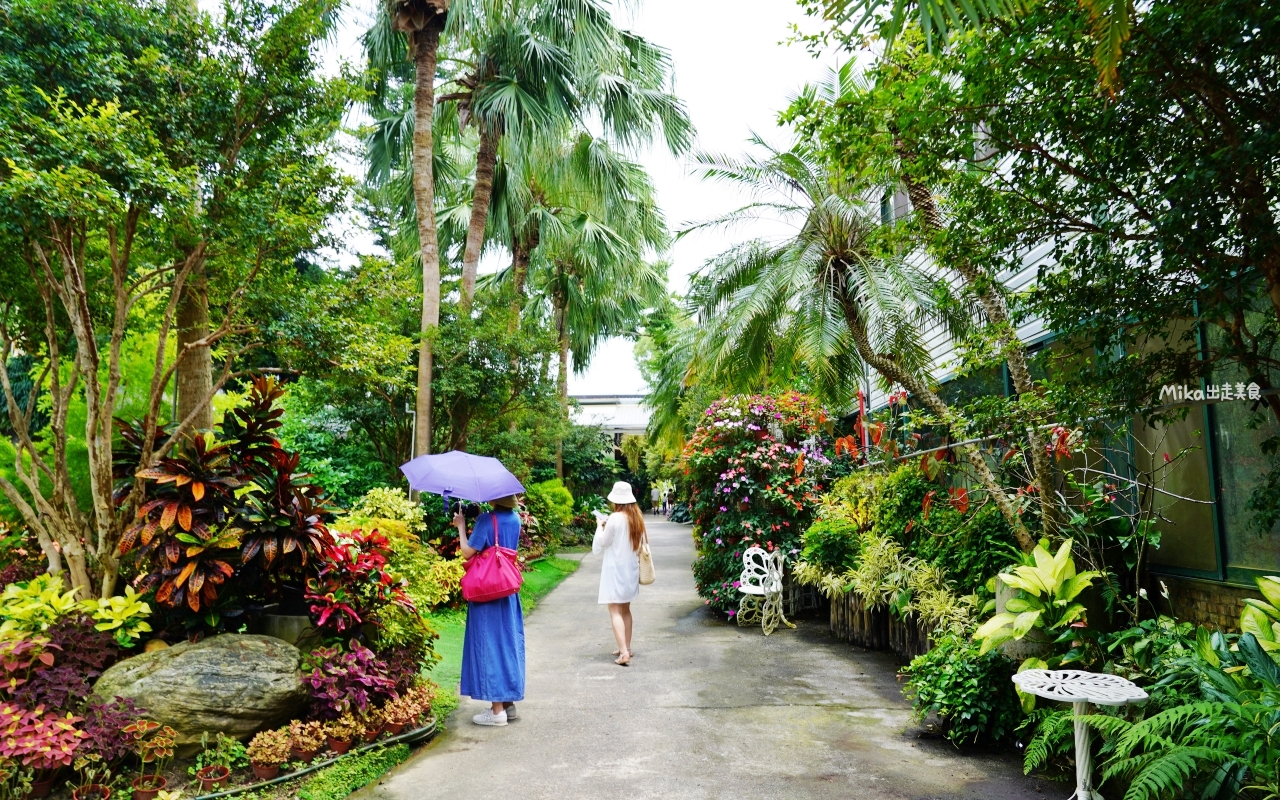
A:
{"points": [[822, 298], [422, 22], [893, 165], [533, 66], [579, 219]]}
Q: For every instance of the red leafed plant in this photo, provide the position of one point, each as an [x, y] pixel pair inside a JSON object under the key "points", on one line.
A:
{"points": [[353, 583], [154, 743], [284, 522], [19, 658], [39, 739], [220, 503]]}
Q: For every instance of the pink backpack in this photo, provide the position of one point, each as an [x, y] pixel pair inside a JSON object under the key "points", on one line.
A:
{"points": [[493, 573]]}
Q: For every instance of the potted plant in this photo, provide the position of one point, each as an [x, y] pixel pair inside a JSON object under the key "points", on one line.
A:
{"points": [[305, 740], [267, 751], [342, 731], [373, 724], [154, 744], [94, 778], [408, 708], [214, 764]]}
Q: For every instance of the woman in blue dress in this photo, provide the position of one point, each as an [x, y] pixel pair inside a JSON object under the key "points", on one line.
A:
{"points": [[493, 646]]}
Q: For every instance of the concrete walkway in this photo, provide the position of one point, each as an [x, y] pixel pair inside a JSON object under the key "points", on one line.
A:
{"points": [[706, 710]]}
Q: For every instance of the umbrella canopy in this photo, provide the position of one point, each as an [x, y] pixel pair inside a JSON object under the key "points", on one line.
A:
{"points": [[461, 475]]}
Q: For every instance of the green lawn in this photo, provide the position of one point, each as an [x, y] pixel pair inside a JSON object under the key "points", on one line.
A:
{"points": [[451, 625]]}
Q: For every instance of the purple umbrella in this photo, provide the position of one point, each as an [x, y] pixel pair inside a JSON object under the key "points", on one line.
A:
{"points": [[461, 475]]}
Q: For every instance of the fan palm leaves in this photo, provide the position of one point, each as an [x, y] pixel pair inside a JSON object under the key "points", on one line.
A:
{"points": [[824, 301], [775, 310], [581, 221], [526, 69]]}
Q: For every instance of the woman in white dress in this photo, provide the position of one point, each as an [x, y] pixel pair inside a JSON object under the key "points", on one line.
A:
{"points": [[618, 536]]}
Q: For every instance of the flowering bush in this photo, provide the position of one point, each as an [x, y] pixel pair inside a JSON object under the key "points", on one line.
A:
{"points": [[347, 682], [386, 502], [756, 465]]}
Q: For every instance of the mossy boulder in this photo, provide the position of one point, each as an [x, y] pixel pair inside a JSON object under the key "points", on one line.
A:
{"points": [[233, 684]]}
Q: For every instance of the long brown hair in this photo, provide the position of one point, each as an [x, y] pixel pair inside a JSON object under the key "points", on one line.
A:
{"points": [[635, 522]]}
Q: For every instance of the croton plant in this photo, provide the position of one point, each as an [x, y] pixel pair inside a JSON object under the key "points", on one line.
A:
{"points": [[221, 505]]}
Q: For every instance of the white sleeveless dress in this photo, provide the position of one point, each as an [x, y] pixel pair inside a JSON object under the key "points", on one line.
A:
{"points": [[620, 570]]}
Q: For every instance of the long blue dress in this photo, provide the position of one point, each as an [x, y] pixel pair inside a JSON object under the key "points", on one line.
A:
{"points": [[493, 646]]}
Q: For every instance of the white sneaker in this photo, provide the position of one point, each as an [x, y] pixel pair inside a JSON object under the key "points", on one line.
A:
{"points": [[512, 714], [490, 718]]}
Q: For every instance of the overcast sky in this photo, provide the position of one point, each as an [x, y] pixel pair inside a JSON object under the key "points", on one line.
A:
{"points": [[735, 72]]}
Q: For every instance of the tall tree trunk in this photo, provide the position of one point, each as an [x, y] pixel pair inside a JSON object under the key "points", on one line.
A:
{"points": [[522, 252], [562, 374], [890, 369], [1007, 341], [195, 371], [486, 160], [426, 46]]}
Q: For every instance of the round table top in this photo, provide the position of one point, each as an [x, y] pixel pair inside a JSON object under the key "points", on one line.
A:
{"points": [[1073, 686]]}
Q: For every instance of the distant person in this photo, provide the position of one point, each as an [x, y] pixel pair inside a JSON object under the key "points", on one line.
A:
{"points": [[493, 645], [618, 536], [671, 501], [655, 497]]}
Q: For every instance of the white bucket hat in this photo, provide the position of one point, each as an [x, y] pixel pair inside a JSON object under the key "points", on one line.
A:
{"points": [[621, 494]]}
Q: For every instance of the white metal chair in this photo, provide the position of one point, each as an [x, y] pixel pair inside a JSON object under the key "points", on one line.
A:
{"points": [[761, 587]]}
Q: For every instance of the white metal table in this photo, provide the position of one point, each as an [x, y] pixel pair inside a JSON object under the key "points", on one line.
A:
{"points": [[1080, 688]]}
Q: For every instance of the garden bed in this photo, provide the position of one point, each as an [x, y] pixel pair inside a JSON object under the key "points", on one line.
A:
{"points": [[294, 777]]}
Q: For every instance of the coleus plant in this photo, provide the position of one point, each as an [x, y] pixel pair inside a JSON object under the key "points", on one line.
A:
{"points": [[20, 658], [37, 738], [347, 682], [80, 653], [154, 743]]}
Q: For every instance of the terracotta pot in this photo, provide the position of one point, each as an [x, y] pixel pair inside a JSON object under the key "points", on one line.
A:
{"points": [[339, 746], [146, 787], [373, 733], [213, 776], [266, 772], [394, 728], [91, 791], [43, 788], [304, 756]]}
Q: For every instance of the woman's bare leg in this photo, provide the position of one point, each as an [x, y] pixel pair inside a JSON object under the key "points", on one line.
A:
{"points": [[498, 708], [618, 621], [626, 618]]}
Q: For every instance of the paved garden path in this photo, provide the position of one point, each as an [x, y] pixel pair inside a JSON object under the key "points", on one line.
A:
{"points": [[706, 710]]}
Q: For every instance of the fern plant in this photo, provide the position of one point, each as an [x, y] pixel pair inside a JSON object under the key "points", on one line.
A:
{"points": [[1224, 745]]}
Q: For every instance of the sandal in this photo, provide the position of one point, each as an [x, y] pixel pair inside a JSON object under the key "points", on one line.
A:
{"points": [[624, 660], [619, 652]]}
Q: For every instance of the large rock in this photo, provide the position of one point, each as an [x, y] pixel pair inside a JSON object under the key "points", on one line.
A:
{"points": [[231, 683]]}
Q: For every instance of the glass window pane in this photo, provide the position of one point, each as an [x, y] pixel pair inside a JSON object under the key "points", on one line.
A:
{"points": [[1187, 535]]}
